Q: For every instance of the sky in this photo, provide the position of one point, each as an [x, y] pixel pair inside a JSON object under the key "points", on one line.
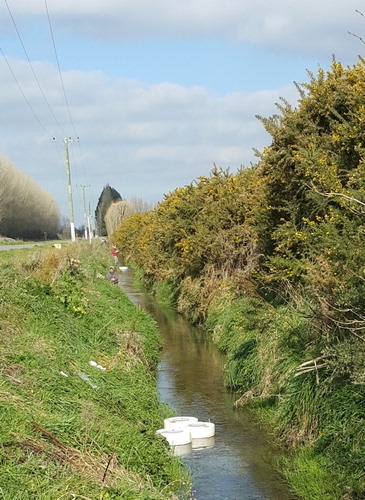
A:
{"points": [[151, 95]]}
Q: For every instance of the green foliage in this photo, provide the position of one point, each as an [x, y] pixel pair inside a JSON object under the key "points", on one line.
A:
{"points": [[59, 431], [312, 477], [136, 240], [319, 412], [201, 233], [68, 290], [314, 173]]}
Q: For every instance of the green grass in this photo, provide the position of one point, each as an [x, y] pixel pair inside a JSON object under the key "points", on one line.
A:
{"points": [[311, 476], [59, 433], [318, 423]]}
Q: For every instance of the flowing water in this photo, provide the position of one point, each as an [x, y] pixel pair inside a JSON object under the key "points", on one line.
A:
{"points": [[236, 464]]}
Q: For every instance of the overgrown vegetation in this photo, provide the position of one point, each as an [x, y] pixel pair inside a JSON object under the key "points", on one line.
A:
{"points": [[272, 258], [69, 429]]}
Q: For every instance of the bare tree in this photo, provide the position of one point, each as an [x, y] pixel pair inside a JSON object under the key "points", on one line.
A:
{"points": [[116, 213], [140, 206], [121, 210], [26, 210]]}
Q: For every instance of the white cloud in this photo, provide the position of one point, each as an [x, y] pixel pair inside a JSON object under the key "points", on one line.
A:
{"points": [[143, 140], [305, 26]]}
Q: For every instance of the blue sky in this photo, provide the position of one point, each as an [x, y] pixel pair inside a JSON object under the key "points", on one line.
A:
{"points": [[157, 91], [223, 66]]}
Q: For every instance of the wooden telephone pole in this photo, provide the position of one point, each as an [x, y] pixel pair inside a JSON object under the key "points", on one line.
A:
{"points": [[66, 141]]}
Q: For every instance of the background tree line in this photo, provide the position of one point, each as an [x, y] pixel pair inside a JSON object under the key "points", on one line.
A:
{"points": [[26, 210]]}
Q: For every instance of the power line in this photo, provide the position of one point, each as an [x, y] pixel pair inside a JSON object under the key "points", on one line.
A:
{"points": [[63, 86], [21, 91], [31, 66], [82, 162], [66, 140], [59, 68]]}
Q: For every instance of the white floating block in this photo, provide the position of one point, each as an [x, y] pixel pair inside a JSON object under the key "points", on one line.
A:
{"points": [[175, 437], [178, 422], [199, 430]]}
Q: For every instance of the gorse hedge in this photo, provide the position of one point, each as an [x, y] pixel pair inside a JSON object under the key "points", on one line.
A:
{"points": [[272, 258]]}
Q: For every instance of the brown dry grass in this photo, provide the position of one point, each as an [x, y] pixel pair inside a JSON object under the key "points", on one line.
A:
{"points": [[129, 353], [101, 468]]}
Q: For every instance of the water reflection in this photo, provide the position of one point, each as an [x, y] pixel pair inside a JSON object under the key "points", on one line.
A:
{"points": [[237, 463], [182, 450], [203, 443], [196, 444]]}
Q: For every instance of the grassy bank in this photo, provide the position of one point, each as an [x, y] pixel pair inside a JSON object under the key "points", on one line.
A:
{"points": [[69, 429], [315, 415]]}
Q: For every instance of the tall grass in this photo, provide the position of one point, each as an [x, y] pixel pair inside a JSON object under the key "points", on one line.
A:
{"points": [[317, 418], [64, 435]]}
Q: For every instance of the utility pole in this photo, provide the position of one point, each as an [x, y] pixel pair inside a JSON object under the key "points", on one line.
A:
{"points": [[66, 140], [84, 208], [91, 224]]}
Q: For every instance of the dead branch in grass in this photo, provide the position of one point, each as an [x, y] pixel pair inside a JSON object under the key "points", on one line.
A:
{"points": [[51, 437]]}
